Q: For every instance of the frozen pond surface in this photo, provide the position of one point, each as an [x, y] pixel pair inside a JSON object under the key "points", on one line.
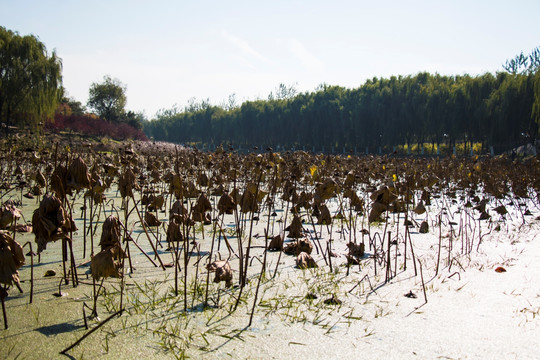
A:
{"points": [[472, 311]]}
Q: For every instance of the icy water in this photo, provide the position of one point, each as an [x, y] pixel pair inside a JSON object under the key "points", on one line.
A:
{"points": [[328, 312]]}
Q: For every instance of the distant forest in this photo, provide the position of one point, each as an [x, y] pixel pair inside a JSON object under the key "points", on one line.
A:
{"points": [[499, 111]]}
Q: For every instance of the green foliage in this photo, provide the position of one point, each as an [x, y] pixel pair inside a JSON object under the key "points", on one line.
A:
{"points": [[30, 80], [108, 99], [134, 119], [536, 106], [491, 110], [76, 107], [524, 64]]}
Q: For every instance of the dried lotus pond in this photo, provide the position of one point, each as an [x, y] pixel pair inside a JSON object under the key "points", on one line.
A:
{"points": [[161, 252]]}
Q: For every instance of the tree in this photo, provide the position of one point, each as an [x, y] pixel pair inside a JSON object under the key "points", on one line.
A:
{"points": [[283, 92], [30, 80], [524, 64], [108, 99], [70, 106], [134, 119], [77, 107], [536, 105]]}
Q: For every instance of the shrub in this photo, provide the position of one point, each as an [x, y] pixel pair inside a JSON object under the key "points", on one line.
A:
{"points": [[92, 125]]}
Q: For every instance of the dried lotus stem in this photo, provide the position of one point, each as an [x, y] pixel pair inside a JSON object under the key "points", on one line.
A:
{"points": [[146, 232]]}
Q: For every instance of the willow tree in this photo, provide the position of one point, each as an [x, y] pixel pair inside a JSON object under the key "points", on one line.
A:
{"points": [[30, 80]]}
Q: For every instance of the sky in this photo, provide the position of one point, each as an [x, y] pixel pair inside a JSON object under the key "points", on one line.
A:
{"points": [[169, 53]]}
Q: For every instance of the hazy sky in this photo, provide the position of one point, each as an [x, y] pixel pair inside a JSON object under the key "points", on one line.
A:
{"points": [[167, 52]]}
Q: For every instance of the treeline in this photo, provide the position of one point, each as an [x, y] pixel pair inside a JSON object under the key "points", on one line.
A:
{"points": [[494, 110]]}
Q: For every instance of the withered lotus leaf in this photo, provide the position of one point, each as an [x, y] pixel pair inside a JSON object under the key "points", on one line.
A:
{"points": [[356, 203], [19, 170], [40, 179], [288, 191], [201, 208], [397, 206], [325, 191], [223, 271], [248, 202], [501, 210], [202, 179], [191, 190], [384, 195], [349, 179], [8, 213], [156, 177], [36, 190], [260, 195], [484, 215], [324, 217], [304, 200], [50, 222], [481, 207], [78, 176], [150, 219], [218, 190], [295, 229], [59, 182], [426, 197], [351, 260], [11, 259], [157, 203], [276, 244], [174, 233], [305, 261], [104, 265], [252, 187], [111, 232], [127, 183], [420, 208], [431, 181], [377, 208], [178, 209], [226, 204], [97, 197], [180, 214], [22, 228], [203, 204], [424, 227], [146, 199], [298, 246], [356, 250], [201, 217], [236, 196]]}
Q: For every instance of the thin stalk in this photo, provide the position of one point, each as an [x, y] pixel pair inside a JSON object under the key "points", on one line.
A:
{"points": [[439, 250], [146, 232], [3, 295], [388, 260], [209, 261], [260, 278], [119, 312]]}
